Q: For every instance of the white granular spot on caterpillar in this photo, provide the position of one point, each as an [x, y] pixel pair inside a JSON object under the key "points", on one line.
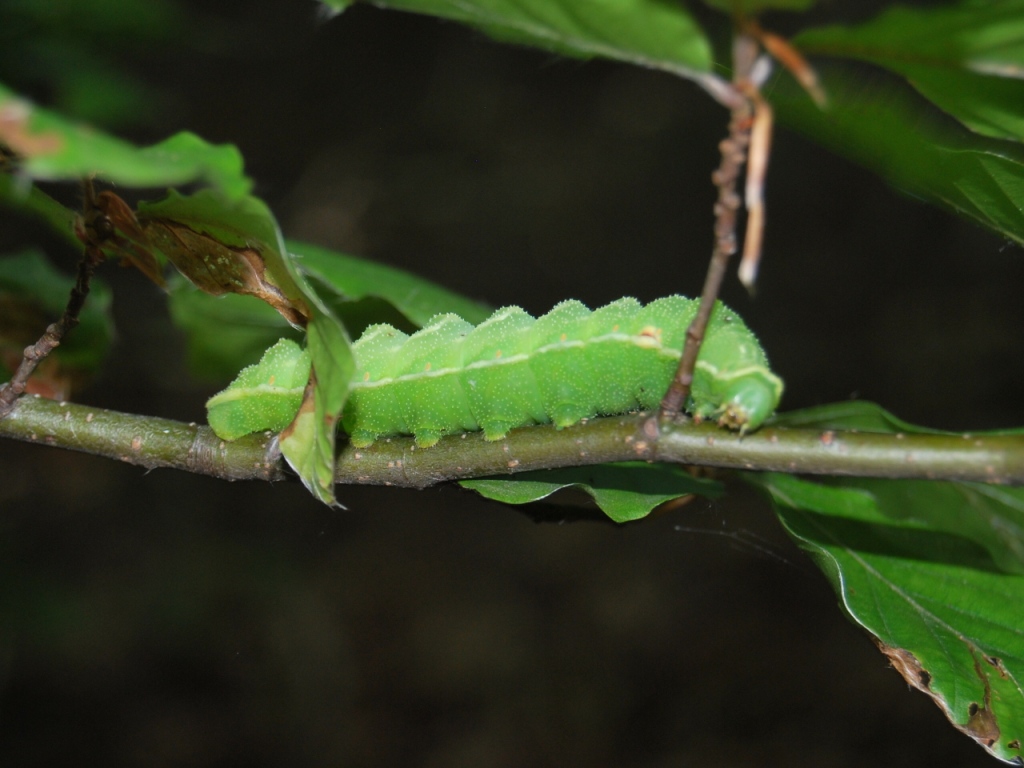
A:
{"points": [[514, 463], [88, 418]]}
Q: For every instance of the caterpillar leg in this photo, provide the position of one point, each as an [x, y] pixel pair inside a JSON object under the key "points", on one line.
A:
{"points": [[496, 430]]}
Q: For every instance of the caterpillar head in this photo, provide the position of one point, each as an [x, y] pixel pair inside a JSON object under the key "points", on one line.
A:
{"points": [[749, 400]]}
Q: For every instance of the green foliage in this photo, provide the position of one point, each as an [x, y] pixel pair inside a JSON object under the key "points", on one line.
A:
{"points": [[73, 50], [939, 596], [882, 124], [247, 223], [967, 58], [223, 333], [651, 33], [53, 148], [752, 7], [226, 333], [933, 569], [624, 492], [343, 279]]}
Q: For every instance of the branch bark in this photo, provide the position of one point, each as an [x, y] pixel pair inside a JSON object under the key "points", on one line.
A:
{"points": [[153, 442]]}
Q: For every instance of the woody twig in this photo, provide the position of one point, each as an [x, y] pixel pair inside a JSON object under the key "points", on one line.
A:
{"points": [[743, 106], [94, 229]]}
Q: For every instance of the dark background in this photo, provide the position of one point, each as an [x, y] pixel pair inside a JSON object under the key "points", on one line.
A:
{"points": [[165, 619]]}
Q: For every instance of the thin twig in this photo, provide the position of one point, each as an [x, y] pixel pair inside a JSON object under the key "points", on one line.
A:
{"points": [[96, 228], [734, 153]]}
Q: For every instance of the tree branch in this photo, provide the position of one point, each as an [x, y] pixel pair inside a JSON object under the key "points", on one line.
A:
{"points": [[153, 442]]}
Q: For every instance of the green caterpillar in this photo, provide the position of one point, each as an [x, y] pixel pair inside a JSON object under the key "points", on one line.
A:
{"points": [[512, 370]]}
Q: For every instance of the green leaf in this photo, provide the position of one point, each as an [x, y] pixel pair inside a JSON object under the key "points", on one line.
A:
{"points": [[880, 122], [32, 295], [942, 607], [967, 58], [753, 7], [624, 492], [934, 570], [848, 414], [866, 417], [651, 33], [52, 148], [224, 333], [246, 224], [229, 332], [76, 53], [352, 279]]}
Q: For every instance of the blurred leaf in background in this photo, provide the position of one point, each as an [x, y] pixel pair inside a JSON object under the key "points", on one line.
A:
{"points": [[74, 56], [968, 58]]}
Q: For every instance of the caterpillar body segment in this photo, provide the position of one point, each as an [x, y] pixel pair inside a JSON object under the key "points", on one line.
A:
{"points": [[514, 369], [568, 365]]}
